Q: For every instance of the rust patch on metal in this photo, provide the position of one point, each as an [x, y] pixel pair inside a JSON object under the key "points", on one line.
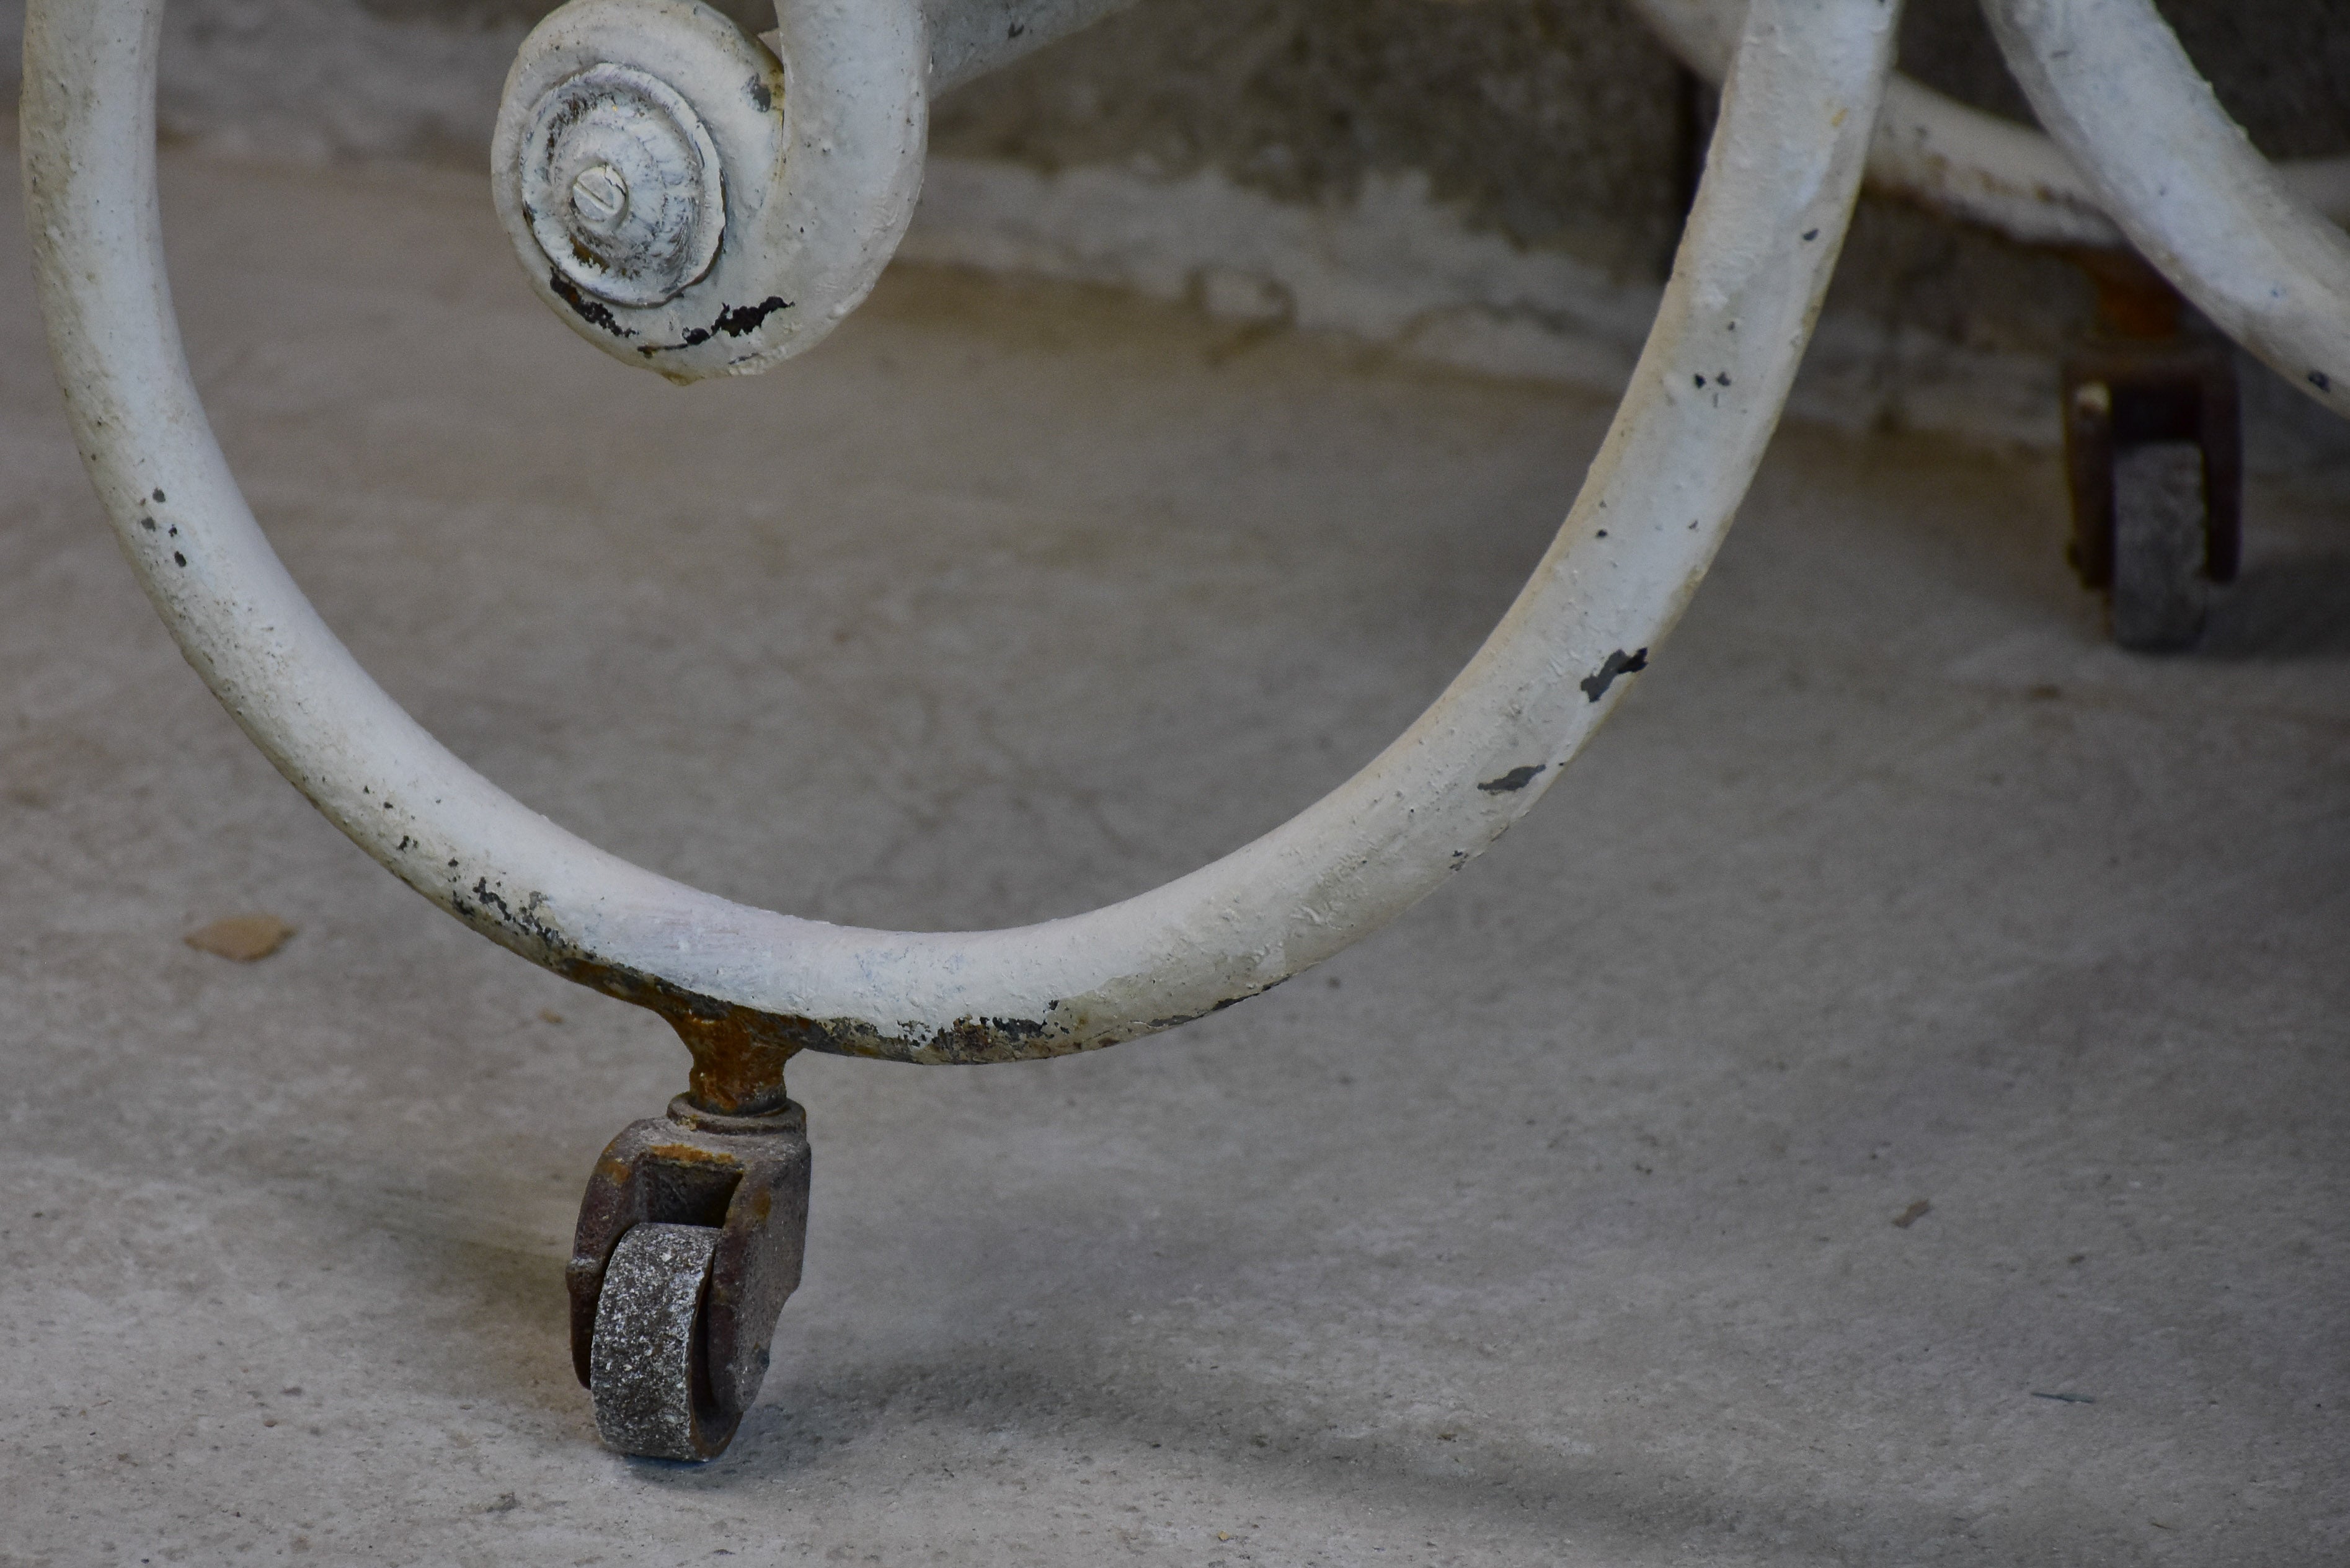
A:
{"points": [[738, 1058], [595, 312], [739, 1053]]}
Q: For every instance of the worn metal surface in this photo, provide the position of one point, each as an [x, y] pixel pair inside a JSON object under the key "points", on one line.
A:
{"points": [[744, 1179], [2109, 81], [1654, 507], [1962, 161]]}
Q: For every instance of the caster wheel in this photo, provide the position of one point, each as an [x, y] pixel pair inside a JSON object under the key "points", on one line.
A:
{"points": [[2160, 533], [647, 1365]]}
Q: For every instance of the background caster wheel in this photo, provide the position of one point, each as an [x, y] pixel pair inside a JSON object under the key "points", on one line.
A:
{"points": [[2160, 521], [649, 1368], [2154, 458]]}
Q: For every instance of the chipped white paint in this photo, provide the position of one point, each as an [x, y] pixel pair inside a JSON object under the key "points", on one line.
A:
{"points": [[1960, 161], [1704, 398], [2109, 81]]}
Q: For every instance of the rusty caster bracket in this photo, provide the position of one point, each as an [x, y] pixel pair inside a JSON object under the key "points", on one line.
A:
{"points": [[690, 1241]]}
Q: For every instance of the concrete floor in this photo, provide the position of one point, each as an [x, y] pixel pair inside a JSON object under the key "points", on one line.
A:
{"points": [[1554, 1225]]}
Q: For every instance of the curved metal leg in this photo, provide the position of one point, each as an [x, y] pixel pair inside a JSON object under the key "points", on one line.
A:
{"points": [[1959, 161], [746, 987], [2109, 81], [691, 1231]]}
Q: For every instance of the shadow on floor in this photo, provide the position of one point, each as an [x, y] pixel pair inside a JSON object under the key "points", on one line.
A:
{"points": [[1612, 1499], [2297, 608]]}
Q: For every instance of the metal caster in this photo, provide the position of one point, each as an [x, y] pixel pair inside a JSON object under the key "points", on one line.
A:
{"points": [[691, 1238], [2154, 451]]}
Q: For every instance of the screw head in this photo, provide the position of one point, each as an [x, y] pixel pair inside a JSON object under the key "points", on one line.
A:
{"points": [[599, 199], [621, 186]]}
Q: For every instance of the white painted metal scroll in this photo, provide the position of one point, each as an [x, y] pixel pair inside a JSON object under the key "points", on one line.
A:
{"points": [[1785, 165], [2109, 81], [635, 133], [807, 165]]}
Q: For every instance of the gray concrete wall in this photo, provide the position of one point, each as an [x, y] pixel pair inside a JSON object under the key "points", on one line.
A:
{"points": [[1553, 122], [1561, 123], [1496, 184], [1557, 122]]}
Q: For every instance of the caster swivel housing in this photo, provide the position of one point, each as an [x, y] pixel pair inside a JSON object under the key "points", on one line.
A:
{"points": [[690, 1241]]}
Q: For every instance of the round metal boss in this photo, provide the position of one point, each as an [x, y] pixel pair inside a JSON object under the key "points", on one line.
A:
{"points": [[621, 185]]}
